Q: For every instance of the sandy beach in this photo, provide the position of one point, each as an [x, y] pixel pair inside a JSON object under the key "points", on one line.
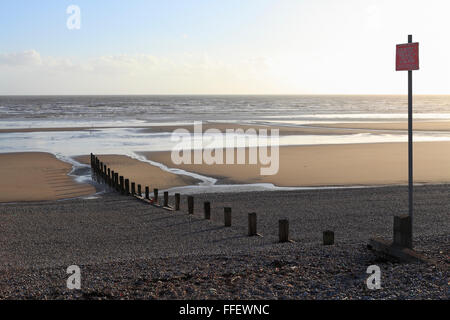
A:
{"points": [[344, 164], [40, 176], [37, 176], [142, 173]]}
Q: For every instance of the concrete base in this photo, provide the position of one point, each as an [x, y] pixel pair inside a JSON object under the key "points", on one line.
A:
{"points": [[387, 250]]}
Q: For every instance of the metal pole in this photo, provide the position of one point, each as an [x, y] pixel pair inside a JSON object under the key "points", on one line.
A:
{"points": [[410, 144]]}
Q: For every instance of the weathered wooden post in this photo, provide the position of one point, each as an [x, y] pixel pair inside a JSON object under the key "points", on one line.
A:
{"points": [[283, 230], [147, 193], [155, 194], [111, 179], [227, 216], [104, 173], [139, 191], [207, 210], [190, 204], [127, 187], [328, 237], [113, 184], [166, 199], [122, 185], [177, 201], [402, 231], [109, 176], [252, 224], [116, 181], [133, 189]]}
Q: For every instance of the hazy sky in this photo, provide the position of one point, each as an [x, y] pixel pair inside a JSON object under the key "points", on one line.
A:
{"points": [[221, 47]]}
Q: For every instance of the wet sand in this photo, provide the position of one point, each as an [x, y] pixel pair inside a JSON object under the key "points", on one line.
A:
{"points": [[400, 126], [142, 173], [37, 176], [334, 165], [313, 128]]}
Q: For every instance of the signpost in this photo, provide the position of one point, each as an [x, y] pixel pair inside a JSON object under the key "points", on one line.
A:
{"points": [[407, 59], [401, 248]]}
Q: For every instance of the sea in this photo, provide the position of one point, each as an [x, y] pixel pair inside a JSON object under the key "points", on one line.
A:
{"points": [[115, 123]]}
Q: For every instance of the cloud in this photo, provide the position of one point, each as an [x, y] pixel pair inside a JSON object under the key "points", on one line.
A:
{"points": [[26, 58], [30, 73]]}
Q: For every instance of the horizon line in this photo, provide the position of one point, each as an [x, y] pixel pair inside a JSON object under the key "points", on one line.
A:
{"points": [[225, 94]]}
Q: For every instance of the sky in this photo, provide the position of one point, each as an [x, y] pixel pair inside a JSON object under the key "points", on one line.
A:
{"points": [[221, 47]]}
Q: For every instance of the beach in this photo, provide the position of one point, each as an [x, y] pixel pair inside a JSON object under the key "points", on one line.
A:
{"points": [[127, 249], [40, 176], [37, 176], [244, 152], [334, 165], [344, 172], [142, 173]]}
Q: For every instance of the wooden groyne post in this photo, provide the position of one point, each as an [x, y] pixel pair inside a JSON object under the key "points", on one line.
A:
{"points": [[122, 185], [116, 181], [155, 194], [402, 231], [227, 216], [207, 210], [252, 224], [328, 237], [147, 193], [283, 230], [133, 189], [127, 186], [190, 204], [166, 199], [113, 179], [139, 191], [177, 201]]}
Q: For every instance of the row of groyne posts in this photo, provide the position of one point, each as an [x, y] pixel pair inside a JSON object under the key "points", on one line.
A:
{"points": [[122, 185]]}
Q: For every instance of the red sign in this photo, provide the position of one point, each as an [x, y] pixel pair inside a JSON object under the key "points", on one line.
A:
{"points": [[407, 57]]}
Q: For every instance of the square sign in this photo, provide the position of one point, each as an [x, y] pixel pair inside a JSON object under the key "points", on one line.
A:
{"points": [[407, 57]]}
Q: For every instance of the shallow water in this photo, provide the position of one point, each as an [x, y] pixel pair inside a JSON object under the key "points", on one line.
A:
{"points": [[125, 114]]}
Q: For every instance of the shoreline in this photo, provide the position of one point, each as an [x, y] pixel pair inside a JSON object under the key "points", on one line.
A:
{"points": [[351, 165], [315, 166], [286, 128], [361, 165]]}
